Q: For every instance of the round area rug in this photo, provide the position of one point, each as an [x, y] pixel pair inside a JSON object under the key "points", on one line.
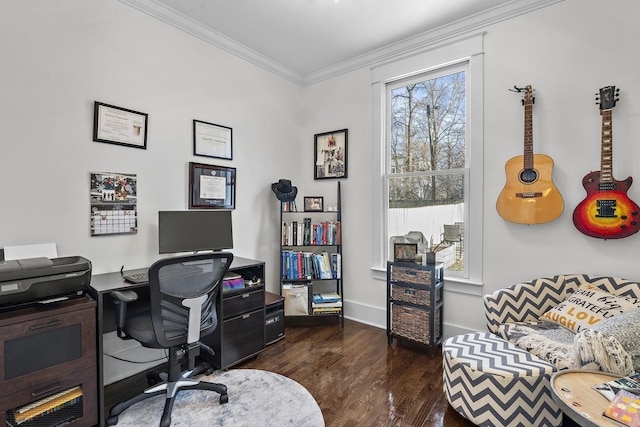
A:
{"points": [[256, 398]]}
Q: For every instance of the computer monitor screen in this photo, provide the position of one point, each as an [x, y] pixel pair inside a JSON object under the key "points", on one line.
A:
{"points": [[191, 231]]}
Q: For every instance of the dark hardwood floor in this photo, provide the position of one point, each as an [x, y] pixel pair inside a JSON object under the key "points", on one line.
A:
{"points": [[354, 375], [358, 379]]}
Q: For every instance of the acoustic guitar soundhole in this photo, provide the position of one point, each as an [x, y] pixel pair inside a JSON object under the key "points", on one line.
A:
{"points": [[528, 176]]}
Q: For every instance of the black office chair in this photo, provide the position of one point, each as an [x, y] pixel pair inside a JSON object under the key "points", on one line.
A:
{"points": [[184, 294]]}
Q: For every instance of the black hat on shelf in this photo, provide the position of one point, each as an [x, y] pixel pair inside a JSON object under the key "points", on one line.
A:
{"points": [[284, 191]]}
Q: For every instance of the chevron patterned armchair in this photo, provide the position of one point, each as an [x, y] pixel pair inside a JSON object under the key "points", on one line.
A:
{"points": [[516, 315]]}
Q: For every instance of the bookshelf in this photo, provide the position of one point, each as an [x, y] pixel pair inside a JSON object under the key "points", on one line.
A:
{"points": [[311, 261]]}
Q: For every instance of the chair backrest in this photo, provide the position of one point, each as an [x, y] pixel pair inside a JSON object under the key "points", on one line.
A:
{"points": [[184, 296], [452, 233]]}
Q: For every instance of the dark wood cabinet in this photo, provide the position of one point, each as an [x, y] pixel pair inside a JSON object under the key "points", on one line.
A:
{"points": [[48, 361], [414, 303], [241, 332]]}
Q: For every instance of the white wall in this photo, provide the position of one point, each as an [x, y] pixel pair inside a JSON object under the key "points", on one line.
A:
{"points": [[567, 51], [59, 56]]}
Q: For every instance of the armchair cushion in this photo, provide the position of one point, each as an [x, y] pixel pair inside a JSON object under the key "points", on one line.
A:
{"points": [[613, 345], [588, 306]]}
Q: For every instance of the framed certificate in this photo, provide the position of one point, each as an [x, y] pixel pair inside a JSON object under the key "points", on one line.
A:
{"points": [[116, 125], [211, 140], [211, 187]]}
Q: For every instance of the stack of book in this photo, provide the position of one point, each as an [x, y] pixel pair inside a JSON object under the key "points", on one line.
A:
{"points": [[327, 303], [624, 396]]}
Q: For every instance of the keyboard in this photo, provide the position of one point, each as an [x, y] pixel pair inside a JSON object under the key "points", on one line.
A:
{"points": [[135, 276]]}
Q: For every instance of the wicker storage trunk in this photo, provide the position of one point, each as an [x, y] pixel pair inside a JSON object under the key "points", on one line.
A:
{"points": [[414, 303]]}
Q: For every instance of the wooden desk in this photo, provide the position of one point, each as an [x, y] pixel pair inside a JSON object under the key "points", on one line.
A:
{"points": [[573, 393]]}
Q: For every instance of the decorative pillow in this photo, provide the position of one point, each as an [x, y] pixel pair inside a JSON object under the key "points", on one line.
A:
{"points": [[613, 345], [587, 306]]}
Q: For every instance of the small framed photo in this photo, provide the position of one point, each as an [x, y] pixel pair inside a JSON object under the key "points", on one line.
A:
{"points": [[120, 126], [211, 140], [330, 154], [313, 204], [405, 252], [211, 187]]}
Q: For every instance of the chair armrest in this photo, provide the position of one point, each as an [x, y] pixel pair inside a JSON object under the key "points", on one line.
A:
{"points": [[523, 302], [121, 298]]}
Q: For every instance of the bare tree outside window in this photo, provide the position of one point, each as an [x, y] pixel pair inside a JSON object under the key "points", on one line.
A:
{"points": [[427, 125]]}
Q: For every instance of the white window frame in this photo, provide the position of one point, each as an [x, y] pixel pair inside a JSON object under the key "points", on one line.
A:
{"points": [[465, 50]]}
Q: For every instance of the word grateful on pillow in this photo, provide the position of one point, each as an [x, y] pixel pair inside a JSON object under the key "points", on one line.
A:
{"points": [[587, 306]]}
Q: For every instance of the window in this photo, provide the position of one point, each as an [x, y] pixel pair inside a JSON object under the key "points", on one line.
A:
{"points": [[426, 163], [428, 127]]}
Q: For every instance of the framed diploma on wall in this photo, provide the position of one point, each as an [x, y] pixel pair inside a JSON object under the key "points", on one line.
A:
{"points": [[211, 140], [211, 187], [120, 126]]}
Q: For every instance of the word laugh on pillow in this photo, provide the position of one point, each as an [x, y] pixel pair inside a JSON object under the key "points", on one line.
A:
{"points": [[588, 306]]}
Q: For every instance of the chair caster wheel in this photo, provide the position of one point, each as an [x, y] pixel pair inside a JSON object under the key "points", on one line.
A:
{"points": [[209, 371], [224, 398], [111, 421]]}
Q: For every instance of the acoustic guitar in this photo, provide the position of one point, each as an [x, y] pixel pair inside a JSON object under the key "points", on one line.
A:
{"points": [[607, 212], [529, 195]]}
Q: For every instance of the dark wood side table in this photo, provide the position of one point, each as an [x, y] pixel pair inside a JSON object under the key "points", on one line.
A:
{"points": [[573, 393]]}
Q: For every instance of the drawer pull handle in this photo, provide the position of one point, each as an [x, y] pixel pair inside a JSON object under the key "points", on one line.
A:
{"points": [[409, 292], [245, 295], [49, 390], [246, 316], [46, 325]]}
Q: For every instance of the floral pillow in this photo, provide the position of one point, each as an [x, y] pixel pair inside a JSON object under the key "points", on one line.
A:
{"points": [[587, 306]]}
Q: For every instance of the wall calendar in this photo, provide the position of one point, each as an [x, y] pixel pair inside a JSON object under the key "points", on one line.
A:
{"points": [[113, 204]]}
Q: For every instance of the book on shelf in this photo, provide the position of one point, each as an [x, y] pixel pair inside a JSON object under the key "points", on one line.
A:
{"points": [[299, 265], [630, 383], [326, 310], [326, 297], [624, 409], [336, 304]]}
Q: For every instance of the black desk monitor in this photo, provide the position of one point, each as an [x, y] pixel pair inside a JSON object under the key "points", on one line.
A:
{"points": [[192, 231]]}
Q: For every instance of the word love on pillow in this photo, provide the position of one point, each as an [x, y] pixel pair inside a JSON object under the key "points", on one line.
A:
{"points": [[587, 306]]}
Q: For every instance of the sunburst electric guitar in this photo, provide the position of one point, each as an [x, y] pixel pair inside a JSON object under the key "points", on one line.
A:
{"points": [[529, 195], [607, 212]]}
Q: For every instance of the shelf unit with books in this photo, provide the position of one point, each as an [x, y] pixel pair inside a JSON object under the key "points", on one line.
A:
{"points": [[311, 261]]}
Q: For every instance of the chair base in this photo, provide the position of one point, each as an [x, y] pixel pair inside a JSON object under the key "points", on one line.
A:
{"points": [[171, 383], [171, 390]]}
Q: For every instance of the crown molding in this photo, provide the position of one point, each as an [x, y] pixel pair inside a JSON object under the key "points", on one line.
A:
{"points": [[410, 46], [170, 16]]}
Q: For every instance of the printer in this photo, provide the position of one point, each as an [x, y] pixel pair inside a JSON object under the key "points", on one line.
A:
{"points": [[31, 281]]}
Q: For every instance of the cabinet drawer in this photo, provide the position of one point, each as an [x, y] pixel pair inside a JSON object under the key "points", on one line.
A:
{"points": [[242, 303], [243, 337], [414, 323], [41, 349], [413, 295], [411, 275], [85, 412]]}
